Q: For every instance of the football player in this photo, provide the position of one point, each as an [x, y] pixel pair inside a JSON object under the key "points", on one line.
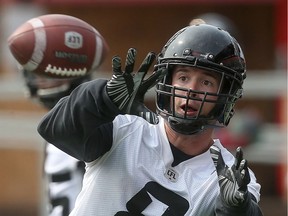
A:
{"points": [[64, 173], [167, 164]]}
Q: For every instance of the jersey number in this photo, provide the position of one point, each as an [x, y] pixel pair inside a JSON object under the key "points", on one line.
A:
{"points": [[176, 205]]}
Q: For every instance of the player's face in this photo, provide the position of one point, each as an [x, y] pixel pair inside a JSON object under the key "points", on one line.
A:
{"points": [[198, 80]]}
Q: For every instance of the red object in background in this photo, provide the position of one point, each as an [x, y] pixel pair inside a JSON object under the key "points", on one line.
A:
{"points": [[281, 49], [281, 179], [281, 25], [150, 2]]}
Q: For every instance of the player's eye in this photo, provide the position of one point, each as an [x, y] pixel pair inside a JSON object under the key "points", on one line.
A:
{"points": [[183, 78], [207, 83]]}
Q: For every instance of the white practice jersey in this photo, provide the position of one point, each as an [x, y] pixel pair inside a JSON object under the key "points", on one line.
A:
{"points": [[64, 181], [136, 177]]}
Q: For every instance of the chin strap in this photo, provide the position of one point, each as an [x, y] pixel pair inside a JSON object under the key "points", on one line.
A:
{"points": [[189, 127], [186, 127]]}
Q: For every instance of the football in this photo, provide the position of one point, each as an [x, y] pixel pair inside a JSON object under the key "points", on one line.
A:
{"points": [[58, 45]]}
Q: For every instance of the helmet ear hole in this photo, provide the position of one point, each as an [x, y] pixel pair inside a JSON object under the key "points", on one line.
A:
{"points": [[226, 87]]}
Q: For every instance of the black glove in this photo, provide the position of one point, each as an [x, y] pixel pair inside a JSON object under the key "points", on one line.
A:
{"points": [[127, 89], [232, 181]]}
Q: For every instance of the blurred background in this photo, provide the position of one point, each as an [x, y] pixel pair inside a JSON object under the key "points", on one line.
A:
{"points": [[260, 122]]}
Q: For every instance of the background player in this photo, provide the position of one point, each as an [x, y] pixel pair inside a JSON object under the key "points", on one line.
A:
{"points": [[45, 47], [64, 174]]}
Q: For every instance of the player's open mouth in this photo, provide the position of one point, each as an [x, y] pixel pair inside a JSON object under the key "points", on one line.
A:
{"points": [[189, 109]]}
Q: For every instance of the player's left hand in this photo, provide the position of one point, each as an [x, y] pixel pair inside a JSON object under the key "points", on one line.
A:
{"points": [[233, 180]]}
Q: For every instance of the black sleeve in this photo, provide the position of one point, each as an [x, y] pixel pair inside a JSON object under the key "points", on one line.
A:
{"points": [[81, 124], [249, 208]]}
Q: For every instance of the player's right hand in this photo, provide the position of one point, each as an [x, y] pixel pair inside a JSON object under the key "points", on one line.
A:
{"points": [[127, 88]]}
